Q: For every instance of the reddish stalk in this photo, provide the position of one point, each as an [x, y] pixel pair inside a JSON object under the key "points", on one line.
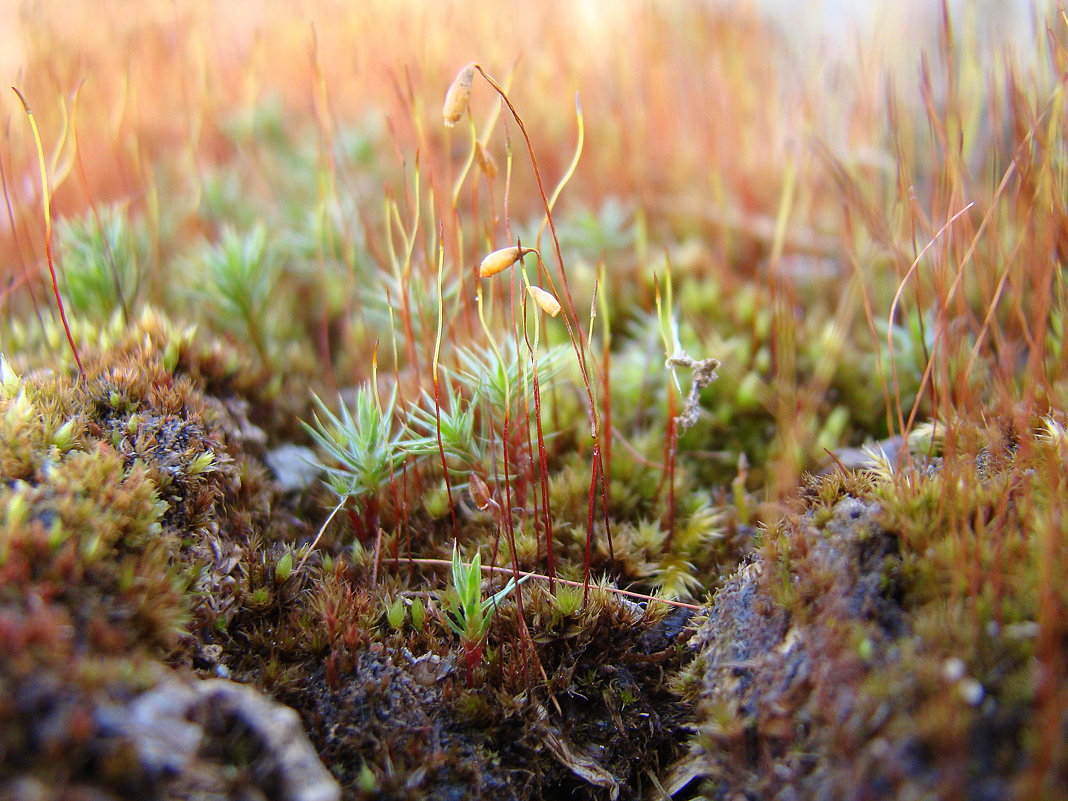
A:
{"points": [[47, 201], [671, 442], [25, 273], [543, 480], [377, 558], [506, 513], [606, 408], [401, 503], [589, 529], [509, 528], [577, 339]]}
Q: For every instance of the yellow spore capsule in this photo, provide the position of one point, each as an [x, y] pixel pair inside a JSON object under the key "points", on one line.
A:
{"points": [[546, 300], [500, 260], [457, 97]]}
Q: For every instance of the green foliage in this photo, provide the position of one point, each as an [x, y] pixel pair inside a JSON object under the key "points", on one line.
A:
{"points": [[283, 568], [567, 600], [418, 612], [609, 230], [104, 257], [234, 282], [362, 448], [485, 371], [467, 613], [449, 426]]}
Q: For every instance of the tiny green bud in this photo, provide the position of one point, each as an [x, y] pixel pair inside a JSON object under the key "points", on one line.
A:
{"points": [[20, 410], [567, 599], [202, 463], [63, 437], [926, 438], [127, 577], [833, 429], [418, 613], [52, 335], [866, 649], [9, 379], [117, 323], [92, 546], [830, 342], [57, 535], [750, 391], [745, 304], [762, 359], [18, 511], [762, 324], [170, 355], [396, 614], [261, 596], [283, 569], [436, 501], [359, 553], [366, 779]]}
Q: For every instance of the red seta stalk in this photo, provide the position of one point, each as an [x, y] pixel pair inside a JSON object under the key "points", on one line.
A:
{"points": [[47, 201]]}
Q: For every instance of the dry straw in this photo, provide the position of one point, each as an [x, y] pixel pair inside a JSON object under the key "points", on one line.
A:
{"points": [[459, 94]]}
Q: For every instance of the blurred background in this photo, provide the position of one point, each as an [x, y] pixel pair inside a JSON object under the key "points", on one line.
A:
{"points": [[686, 104]]}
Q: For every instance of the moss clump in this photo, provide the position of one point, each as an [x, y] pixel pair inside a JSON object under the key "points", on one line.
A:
{"points": [[127, 504], [601, 721], [885, 639]]}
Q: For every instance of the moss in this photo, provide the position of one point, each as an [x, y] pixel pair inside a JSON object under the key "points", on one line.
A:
{"points": [[872, 646], [129, 502], [895, 631]]}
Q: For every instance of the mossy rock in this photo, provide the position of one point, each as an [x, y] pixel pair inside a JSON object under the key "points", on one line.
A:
{"points": [[147, 557], [850, 658], [131, 502]]}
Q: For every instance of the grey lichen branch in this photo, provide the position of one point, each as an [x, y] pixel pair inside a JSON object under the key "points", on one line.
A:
{"points": [[704, 373]]}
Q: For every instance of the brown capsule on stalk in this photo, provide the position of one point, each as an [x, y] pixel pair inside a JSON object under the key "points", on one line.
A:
{"points": [[548, 302], [457, 97], [500, 260], [486, 162], [480, 493]]}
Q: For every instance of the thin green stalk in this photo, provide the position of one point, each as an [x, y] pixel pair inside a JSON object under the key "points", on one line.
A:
{"points": [[46, 199], [434, 375]]}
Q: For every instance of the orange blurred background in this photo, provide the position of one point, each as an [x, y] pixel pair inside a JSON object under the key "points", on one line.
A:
{"points": [[691, 109]]}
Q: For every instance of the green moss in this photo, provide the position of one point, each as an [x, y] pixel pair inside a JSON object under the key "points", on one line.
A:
{"points": [[872, 631]]}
